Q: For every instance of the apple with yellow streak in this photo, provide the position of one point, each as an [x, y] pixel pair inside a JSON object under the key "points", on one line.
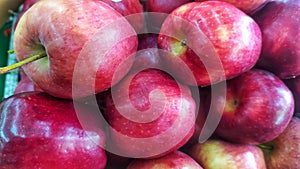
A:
{"points": [[216, 154]]}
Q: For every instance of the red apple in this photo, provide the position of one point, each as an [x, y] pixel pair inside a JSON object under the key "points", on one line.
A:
{"points": [[26, 85], [215, 154], [157, 11], [175, 159], [132, 10], [164, 6], [205, 123], [209, 42], [81, 43], [150, 115], [147, 55], [40, 131], [284, 151], [26, 5], [294, 86], [248, 6], [280, 26], [258, 107]]}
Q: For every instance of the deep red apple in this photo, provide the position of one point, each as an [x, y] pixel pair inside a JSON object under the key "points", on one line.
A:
{"points": [[284, 151], [280, 26], [208, 42], [164, 6], [150, 115], [147, 55], [81, 43], [132, 10], [258, 107], [205, 125], [40, 131], [215, 154], [294, 86], [175, 159], [26, 85], [158, 10], [248, 6], [27, 4]]}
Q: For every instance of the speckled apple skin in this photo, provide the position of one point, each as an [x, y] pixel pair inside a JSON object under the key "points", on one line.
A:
{"points": [[40, 131], [175, 160], [220, 42], [285, 146], [75, 35], [215, 154], [151, 115], [258, 107]]}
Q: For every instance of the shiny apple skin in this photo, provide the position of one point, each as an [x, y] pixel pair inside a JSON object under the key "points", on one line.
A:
{"points": [[247, 6], [220, 42], [70, 43], [147, 55], [258, 107], [280, 26], [40, 131], [164, 6], [176, 160], [26, 85], [284, 150], [132, 10], [126, 7], [294, 85], [169, 114], [215, 154], [158, 10]]}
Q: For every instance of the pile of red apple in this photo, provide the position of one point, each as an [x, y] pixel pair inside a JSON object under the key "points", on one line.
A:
{"points": [[155, 84]]}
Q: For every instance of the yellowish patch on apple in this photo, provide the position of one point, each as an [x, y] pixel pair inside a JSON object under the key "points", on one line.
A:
{"points": [[182, 8], [217, 156], [231, 105], [178, 47], [223, 33]]}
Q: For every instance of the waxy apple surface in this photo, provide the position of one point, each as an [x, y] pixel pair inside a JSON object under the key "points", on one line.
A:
{"points": [[208, 42], [26, 85], [215, 154], [294, 85], [280, 26], [83, 43], [40, 131], [284, 151], [150, 115], [164, 6], [248, 6], [133, 9], [258, 107], [147, 55], [158, 10], [176, 160]]}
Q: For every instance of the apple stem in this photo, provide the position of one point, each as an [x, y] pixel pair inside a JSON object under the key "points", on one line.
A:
{"points": [[184, 42], [265, 147], [21, 63]]}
